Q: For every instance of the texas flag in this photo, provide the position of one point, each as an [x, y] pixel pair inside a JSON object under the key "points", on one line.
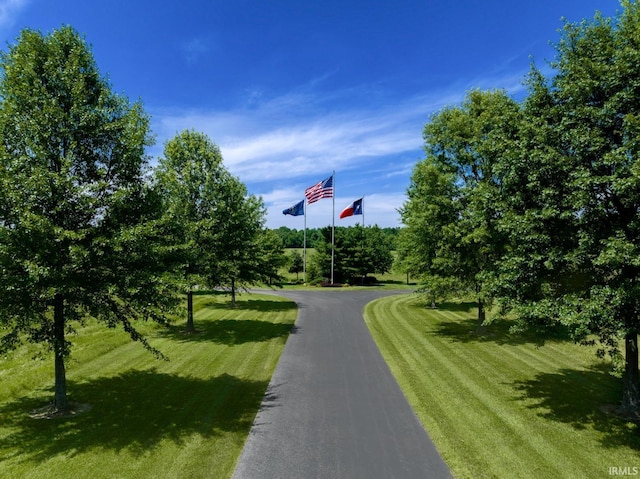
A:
{"points": [[354, 208]]}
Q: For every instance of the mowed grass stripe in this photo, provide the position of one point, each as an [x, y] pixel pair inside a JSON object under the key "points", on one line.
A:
{"points": [[186, 417], [480, 348], [496, 405], [465, 393], [470, 391], [482, 372]]}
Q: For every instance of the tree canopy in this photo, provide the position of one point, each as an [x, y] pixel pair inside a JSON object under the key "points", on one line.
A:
{"points": [[451, 212], [358, 252], [294, 238], [191, 179], [540, 199], [76, 214], [218, 224], [581, 224]]}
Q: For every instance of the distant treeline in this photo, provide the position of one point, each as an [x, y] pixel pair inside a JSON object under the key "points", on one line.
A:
{"points": [[293, 238]]}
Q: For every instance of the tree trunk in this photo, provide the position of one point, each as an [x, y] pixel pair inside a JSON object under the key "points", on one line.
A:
{"points": [[631, 388], [233, 292], [190, 326], [482, 316], [60, 396]]}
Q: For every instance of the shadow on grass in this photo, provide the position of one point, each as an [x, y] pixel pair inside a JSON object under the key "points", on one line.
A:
{"points": [[462, 307], [578, 397], [498, 331], [261, 305], [136, 410], [231, 331]]}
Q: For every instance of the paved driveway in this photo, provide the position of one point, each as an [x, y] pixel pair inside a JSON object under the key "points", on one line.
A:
{"points": [[333, 409]]}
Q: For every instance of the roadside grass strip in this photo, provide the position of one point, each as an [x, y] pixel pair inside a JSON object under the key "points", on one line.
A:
{"points": [[498, 405], [147, 418]]}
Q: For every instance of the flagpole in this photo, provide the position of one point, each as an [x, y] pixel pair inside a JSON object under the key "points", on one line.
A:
{"points": [[333, 224], [363, 232], [304, 245]]}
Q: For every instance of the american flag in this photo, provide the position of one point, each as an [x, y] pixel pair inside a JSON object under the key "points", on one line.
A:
{"points": [[323, 189]]}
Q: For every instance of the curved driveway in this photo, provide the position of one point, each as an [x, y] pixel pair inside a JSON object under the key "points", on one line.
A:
{"points": [[333, 409]]}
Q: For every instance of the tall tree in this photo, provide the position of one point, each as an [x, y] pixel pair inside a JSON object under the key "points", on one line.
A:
{"points": [[76, 215], [194, 183], [462, 145], [244, 247], [271, 255], [378, 245], [220, 224], [430, 207], [296, 263], [585, 269], [537, 204]]}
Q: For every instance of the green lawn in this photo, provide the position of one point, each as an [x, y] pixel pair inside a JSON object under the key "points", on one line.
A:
{"points": [[148, 418], [501, 406]]}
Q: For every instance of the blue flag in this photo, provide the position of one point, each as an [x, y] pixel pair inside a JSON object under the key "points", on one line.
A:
{"points": [[295, 210]]}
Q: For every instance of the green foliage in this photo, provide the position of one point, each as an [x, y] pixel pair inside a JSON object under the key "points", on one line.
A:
{"points": [[429, 208], [191, 179], [358, 252], [451, 240], [579, 218], [296, 262], [220, 226], [247, 251], [541, 199], [293, 238], [271, 256], [77, 218]]}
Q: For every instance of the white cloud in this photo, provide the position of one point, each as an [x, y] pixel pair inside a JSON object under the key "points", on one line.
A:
{"points": [[279, 146], [282, 145], [283, 197], [9, 10], [284, 138], [305, 149]]}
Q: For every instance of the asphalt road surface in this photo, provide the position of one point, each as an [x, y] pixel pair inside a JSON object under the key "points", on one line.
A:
{"points": [[333, 409]]}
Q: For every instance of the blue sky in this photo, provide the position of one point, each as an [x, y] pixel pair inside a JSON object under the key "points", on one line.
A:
{"points": [[292, 89]]}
